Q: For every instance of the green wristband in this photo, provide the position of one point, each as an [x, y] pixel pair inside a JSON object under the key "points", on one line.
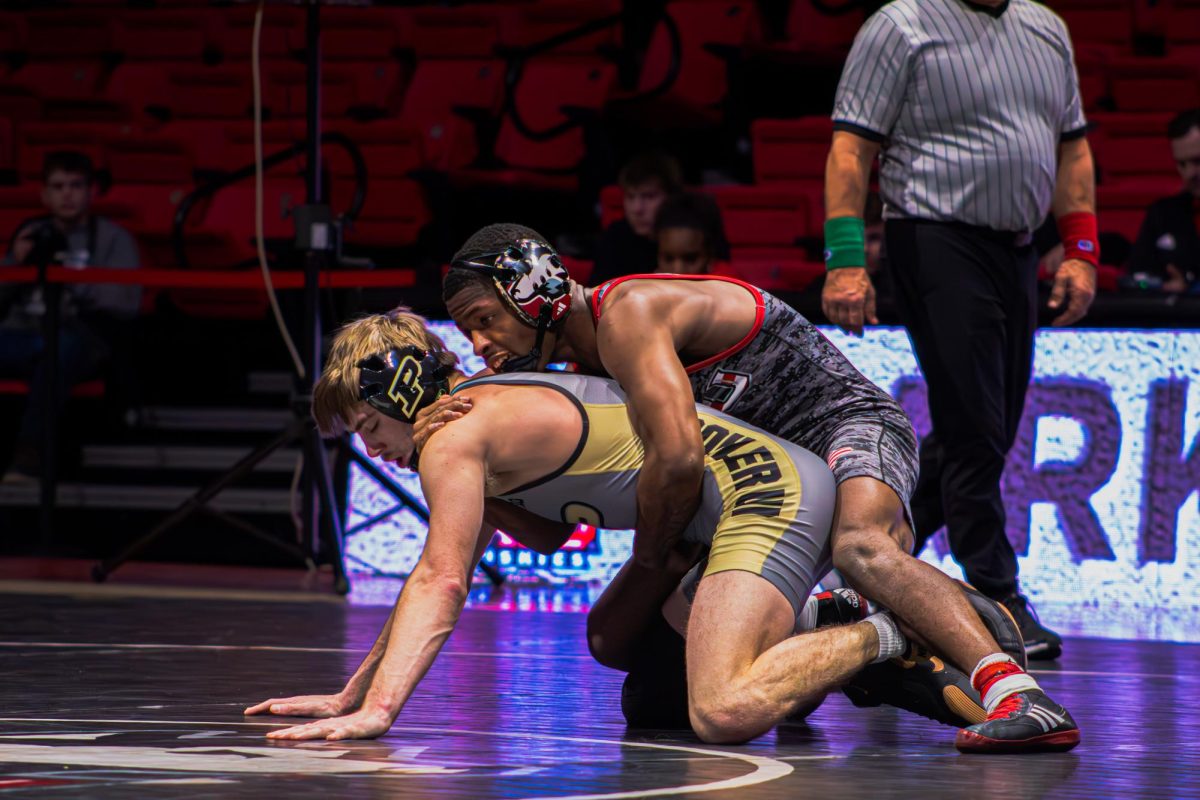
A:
{"points": [[845, 243]]}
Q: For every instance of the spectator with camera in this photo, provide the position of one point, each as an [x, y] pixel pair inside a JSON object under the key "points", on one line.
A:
{"points": [[92, 316], [1168, 245]]}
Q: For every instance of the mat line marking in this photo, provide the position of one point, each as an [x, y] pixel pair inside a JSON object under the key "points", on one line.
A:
{"points": [[462, 653], [765, 769], [266, 648]]}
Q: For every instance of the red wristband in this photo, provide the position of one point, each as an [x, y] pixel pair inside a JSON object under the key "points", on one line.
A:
{"points": [[1080, 240]]}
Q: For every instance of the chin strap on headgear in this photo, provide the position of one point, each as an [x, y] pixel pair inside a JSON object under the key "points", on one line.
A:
{"points": [[532, 280], [401, 382]]}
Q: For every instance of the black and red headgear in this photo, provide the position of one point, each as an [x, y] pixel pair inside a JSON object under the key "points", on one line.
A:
{"points": [[532, 280]]}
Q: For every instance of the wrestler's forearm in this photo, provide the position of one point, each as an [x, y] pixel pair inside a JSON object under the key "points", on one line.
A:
{"points": [[625, 610], [537, 533], [425, 615], [668, 494], [356, 687]]}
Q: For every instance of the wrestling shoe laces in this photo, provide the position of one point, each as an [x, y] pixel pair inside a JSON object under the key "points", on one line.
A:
{"points": [[1009, 707]]}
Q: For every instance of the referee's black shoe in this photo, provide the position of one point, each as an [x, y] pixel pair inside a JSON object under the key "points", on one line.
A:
{"points": [[1025, 722], [1041, 643]]}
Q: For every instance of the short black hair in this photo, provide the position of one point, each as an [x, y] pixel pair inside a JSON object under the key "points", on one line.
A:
{"points": [[459, 278], [1183, 122], [695, 211], [71, 161], [488, 239], [652, 166]]}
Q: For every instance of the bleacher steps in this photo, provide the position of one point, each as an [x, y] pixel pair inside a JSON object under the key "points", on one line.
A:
{"points": [[182, 457], [165, 498]]}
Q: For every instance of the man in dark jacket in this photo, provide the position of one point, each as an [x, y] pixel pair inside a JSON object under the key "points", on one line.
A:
{"points": [[1168, 245]]}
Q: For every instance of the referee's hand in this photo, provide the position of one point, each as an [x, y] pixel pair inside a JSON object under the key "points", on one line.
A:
{"points": [[1075, 282], [848, 299]]}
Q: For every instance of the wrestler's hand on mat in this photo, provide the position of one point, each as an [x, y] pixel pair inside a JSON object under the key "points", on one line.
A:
{"points": [[848, 299], [434, 417], [366, 723], [307, 705], [1075, 282]]}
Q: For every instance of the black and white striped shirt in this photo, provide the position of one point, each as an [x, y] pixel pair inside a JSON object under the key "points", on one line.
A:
{"points": [[970, 104]]}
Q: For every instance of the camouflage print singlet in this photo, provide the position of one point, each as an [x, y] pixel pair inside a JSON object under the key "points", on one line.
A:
{"points": [[785, 377]]}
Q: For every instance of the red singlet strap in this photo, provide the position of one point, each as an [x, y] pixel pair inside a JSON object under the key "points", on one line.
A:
{"points": [[760, 312]]}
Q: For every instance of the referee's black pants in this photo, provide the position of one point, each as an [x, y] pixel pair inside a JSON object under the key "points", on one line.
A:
{"points": [[968, 297]]}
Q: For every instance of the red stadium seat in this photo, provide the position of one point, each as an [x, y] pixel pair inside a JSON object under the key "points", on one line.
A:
{"points": [[233, 28], [66, 90], [439, 91], [182, 90], [775, 270], [1154, 84], [1105, 23], [790, 149], [469, 31], [231, 213], [163, 34], [36, 139], [813, 34], [18, 204], [1121, 207], [391, 148], [150, 158], [534, 23], [221, 92], [612, 205], [373, 88], [8, 145], [579, 269], [1132, 148], [285, 89], [551, 91], [364, 33], [13, 32], [78, 34], [710, 32], [763, 216], [1182, 28], [393, 215], [1092, 67]]}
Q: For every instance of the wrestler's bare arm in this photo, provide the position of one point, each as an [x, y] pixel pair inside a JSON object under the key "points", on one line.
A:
{"points": [[638, 348], [537, 533], [453, 473]]}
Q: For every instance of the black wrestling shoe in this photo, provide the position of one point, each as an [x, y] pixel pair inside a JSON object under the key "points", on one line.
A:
{"points": [[1041, 643], [840, 607], [1025, 722], [922, 683], [999, 621]]}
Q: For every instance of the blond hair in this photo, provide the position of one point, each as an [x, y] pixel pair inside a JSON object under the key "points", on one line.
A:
{"points": [[336, 394]]}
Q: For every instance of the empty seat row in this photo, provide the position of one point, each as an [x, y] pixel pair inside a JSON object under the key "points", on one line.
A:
{"points": [[348, 33]]}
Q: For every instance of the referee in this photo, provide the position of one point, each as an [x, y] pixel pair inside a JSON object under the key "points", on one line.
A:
{"points": [[974, 108]]}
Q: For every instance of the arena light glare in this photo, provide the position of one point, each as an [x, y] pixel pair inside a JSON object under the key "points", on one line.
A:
{"points": [[1101, 487]]}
